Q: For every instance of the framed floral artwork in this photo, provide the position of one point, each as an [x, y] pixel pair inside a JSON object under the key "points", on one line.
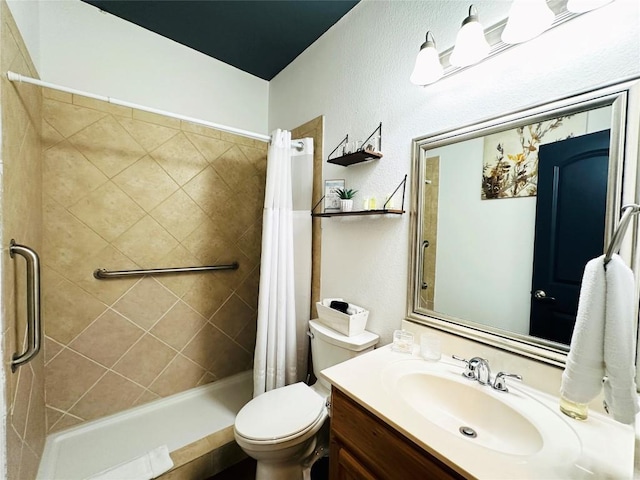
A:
{"points": [[510, 158]]}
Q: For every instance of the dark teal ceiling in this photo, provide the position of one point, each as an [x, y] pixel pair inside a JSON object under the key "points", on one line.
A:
{"points": [[259, 37]]}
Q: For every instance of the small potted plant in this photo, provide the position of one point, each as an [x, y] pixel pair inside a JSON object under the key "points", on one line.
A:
{"points": [[346, 198]]}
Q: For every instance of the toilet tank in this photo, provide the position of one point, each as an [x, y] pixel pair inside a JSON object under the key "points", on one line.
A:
{"points": [[329, 347]]}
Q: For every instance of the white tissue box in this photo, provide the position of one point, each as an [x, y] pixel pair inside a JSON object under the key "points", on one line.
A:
{"points": [[350, 325]]}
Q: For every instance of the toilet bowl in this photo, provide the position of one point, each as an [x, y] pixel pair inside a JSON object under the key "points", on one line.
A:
{"points": [[286, 430]]}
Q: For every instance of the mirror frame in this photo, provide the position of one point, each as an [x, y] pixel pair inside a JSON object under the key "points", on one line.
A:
{"points": [[622, 188]]}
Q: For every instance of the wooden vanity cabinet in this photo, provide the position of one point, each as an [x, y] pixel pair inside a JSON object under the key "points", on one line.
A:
{"points": [[363, 447]]}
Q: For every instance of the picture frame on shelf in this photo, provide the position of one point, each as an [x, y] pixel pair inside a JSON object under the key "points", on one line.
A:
{"points": [[331, 199]]}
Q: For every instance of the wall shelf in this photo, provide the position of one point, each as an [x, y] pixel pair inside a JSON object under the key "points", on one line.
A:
{"points": [[367, 152], [355, 157], [355, 213]]}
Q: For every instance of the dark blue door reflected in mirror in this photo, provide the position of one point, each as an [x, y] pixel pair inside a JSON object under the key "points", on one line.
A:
{"points": [[569, 229]]}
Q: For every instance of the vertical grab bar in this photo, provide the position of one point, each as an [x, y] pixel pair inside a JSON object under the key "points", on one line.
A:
{"points": [[34, 324]]}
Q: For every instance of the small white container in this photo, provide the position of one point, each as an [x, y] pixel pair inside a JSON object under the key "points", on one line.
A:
{"points": [[352, 324]]}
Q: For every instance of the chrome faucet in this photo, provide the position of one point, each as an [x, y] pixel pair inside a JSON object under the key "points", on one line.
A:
{"points": [[483, 372], [476, 369]]}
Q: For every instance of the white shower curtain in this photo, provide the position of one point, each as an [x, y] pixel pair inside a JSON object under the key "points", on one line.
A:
{"points": [[280, 332]]}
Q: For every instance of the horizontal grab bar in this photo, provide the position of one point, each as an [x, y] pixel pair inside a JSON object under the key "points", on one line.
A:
{"points": [[102, 274]]}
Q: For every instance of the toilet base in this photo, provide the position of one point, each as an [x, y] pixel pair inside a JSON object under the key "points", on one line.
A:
{"points": [[316, 448]]}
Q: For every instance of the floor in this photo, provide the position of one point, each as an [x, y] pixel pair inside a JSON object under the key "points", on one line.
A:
{"points": [[246, 470]]}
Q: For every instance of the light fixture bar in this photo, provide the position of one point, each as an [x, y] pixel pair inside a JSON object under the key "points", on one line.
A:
{"points": [[493, 35]]}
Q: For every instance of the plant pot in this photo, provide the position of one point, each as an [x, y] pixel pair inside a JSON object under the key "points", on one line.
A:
{"points": [[346, 205]]}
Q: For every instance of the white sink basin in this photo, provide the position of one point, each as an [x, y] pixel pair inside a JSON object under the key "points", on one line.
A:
{"points": [[511, 423]]}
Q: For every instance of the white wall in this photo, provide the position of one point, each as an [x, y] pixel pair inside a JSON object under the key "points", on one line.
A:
{"points": [[75, 45], [357, 75]]}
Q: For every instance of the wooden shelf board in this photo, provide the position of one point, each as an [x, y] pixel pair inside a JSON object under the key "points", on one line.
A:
{"points": [[358, 213], [355, 157]]}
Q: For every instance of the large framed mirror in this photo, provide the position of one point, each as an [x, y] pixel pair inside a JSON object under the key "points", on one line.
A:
{"points": [[506, 213]]}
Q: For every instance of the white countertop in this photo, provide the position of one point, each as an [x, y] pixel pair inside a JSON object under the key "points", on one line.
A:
{"points": [[605, 449]]}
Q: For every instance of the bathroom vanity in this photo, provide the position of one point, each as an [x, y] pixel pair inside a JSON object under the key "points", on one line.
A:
{"points": [[396, 416], [365, 447]]}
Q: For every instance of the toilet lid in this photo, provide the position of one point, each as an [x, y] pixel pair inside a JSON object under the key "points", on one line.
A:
{"points": [[279, 413]]}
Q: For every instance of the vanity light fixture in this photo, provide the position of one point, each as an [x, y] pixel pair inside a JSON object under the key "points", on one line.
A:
{"points": [[527, 20], [581, 6], [471, 45], [428, 68]]}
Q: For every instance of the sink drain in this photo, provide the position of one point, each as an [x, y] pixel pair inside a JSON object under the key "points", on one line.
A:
{"points": [[468, 432]]}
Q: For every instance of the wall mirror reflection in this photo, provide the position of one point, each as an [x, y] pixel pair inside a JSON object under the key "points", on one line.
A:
{"points": [[509, 211]]}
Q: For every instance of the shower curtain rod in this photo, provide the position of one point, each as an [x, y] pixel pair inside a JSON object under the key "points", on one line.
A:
{"points": [[16, 77]]}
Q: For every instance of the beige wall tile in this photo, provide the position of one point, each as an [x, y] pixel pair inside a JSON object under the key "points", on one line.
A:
{"points": [[68, 310], [50, 136], [234, 316], [207, 296], [199, 349], [148, 135], [179, 215], [67, 241], [181, 374], [107, 339], [180, 159], [108, 258], [118, 211], [68, 175], [20, 404], [52, 94], [179, 325], [68, 119], [208, 242], [111, 394], [180, 284], [146, 243], [230, 358], [68, 377], [209, 191], [211, 148], [66, 421], [108, 146], [147, 183], [199, 129], [145, 303], [145, 360]]}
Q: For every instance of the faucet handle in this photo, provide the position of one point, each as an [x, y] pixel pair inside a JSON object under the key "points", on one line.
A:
{"points": [[500, 382], [469, 366]]}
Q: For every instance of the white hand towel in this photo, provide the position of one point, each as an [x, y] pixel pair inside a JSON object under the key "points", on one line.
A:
{"points": [[619, 342], [150, 465], [582, 377]]}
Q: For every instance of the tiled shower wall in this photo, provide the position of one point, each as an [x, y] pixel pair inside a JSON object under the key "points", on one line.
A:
{"points": [[430, 231], [21, 219], [125, 189]]}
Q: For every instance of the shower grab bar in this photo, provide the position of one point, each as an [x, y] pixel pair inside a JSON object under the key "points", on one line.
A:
{"points": [[618, 235], [102, 274], [34, 319]]}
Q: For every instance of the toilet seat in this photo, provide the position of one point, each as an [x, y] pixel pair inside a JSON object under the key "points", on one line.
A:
{"points": [[280, 415]]}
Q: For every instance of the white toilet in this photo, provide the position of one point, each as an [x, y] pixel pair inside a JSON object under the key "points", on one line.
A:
{"points": [[282, 428]]}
